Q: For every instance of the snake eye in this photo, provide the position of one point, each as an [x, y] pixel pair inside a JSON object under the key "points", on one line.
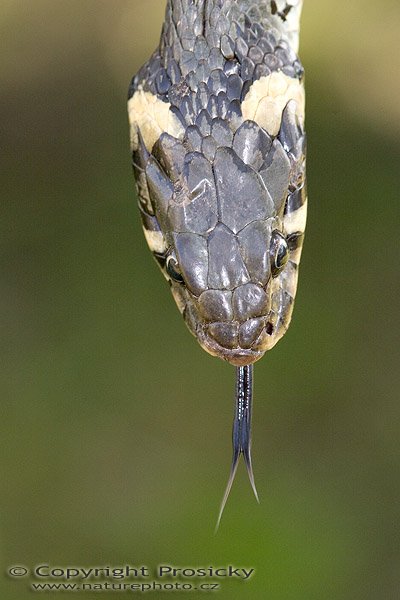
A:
{"points": [[173, 268], [279, 253]]}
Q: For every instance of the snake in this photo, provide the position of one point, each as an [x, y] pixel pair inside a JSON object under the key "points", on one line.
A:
{"points": [[219, 154]]}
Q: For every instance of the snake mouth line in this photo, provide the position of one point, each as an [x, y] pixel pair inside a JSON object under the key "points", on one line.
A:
{"points": [[238, 356]]}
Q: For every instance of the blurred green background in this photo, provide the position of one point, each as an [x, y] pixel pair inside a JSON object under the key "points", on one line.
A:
{"points": [[115, 435]]}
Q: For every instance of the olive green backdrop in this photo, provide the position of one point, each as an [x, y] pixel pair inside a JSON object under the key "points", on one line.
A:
{"points": [[115, 442]]}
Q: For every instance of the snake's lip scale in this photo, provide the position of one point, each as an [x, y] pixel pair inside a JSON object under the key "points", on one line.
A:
{"points": [[238, 357]]}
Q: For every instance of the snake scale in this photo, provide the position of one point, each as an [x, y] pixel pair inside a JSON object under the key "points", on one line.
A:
{"points": [[218, 148]]}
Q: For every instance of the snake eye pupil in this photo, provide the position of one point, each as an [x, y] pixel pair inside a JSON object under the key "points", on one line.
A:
{"points": [[173, 269], [279, 252]]}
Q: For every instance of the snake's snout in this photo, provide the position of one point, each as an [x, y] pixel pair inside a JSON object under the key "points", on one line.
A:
{"points": [[233, 321]]}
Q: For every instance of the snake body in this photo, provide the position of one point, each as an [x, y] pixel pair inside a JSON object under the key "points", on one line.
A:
{"points": [[218, 148]]}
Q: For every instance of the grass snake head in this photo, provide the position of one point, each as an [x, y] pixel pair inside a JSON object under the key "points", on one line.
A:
{"points": [[218, 142]]}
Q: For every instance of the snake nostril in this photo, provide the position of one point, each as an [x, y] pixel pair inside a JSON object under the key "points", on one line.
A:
{"points": [[269, 328]]}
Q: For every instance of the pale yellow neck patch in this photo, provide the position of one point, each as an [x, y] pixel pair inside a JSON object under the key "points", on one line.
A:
{"points": [[296, 221], [153, 117], [267, 98], [155, 240]]}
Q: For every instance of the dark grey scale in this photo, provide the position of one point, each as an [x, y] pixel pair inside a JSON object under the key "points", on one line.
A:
{"points": [[235, 30], [216, 59], [295, 200], [163, 82], [198, 25], [227, 47], [222, 25], [249, 301], [201, 49], [250, 331], [258, 29], [265, 46], [254, 242], [177, 51], [252, 144], [178, 92], [192, 81], [234, 87], [153, 69], [226, 334], [170, 153], [234, 114], [251, 200], [204, 122], [272, 62], [290, 131], [246, 88], [209, 147], [177, 12], [299, 70], [197, 101], [256, 55], [216, 305], [247, 69], [160, 188], [139, 161], [212, 106], [197, 172], [261, 71], [285, 53], [217, 82], [241, 49], [140, 156], [212, 39], [173, 71], [195, 207], [192, 255], [231, 67], [149, 222], [290, 71], [193, 139], [191, 12], [203, 71], [188, 39], [275, 173], [167, 55], [222, 105], [221, 132], [187, 110], [188, 62], [226, 267], [253, 14]]}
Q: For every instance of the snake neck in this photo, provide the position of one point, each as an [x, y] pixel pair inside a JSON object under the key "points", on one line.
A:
{"points": [[186, 19]]}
